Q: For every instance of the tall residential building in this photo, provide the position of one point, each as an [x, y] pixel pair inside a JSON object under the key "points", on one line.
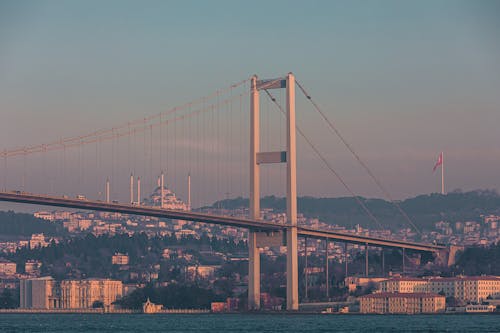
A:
{"points": [[408, 303], [39, 293], [79, 294]]}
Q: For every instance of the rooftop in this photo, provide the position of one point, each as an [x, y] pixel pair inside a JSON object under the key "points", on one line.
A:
{"points": [[401, 295]]}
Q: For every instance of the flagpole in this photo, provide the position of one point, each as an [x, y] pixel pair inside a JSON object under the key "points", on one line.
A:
{"points": [[442, 173]]}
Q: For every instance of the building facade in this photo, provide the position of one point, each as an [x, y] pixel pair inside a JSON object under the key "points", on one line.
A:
{"points": [[46, 293], [463, 288], [402, 303], [354, 282], [84, 294], [7, 268], [39, 293], [402, 285], [119, 259]]}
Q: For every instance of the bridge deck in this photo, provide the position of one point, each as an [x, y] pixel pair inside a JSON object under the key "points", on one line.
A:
{"points": [[258, 225]]}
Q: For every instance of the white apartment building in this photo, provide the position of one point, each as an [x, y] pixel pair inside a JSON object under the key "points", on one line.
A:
{"points": [[38, 293], [408, 303]]}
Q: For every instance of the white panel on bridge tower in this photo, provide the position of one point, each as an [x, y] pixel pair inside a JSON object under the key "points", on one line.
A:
{"points": [[271, 157], [278, 83]]}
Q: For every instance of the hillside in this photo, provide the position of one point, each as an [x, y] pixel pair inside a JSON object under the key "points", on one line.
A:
{"points": [[424, 210], [21, 224]]}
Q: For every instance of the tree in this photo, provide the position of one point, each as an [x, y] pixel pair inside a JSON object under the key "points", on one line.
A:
{"points": [[8, 299], [97, 305]]}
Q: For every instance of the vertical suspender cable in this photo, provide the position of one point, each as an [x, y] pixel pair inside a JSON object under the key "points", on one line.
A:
{"points": [[151, 156], [329, 166], [358, 158], [5, 171]]}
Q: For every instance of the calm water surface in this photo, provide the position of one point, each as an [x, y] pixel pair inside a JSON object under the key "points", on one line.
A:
{"points": [[246, 323]]}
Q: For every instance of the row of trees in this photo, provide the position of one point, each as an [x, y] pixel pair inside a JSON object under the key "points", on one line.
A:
{"points": [[20, 224]]}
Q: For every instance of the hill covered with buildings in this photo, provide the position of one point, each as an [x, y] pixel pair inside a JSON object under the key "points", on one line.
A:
{"points": [[424, 210]]}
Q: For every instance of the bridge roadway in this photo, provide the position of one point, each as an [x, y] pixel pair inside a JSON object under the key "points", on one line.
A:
{"points": [[256, 225]]}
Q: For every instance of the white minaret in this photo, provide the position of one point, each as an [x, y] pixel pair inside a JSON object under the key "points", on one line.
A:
{"points": [[162, 189], [189, 192], [131, 188], [107, 189], [139, 190]]}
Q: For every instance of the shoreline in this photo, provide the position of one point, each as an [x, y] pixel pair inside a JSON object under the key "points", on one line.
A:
{"points": [[208, 312]]}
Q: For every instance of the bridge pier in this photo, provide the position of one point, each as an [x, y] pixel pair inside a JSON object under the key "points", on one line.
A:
{"points": [[404, 268], [383, 261], [366, 259], [290, 157], [253, 250], [292, 275], [305, 270], [326, 271], [345, 258], [253, 272]]}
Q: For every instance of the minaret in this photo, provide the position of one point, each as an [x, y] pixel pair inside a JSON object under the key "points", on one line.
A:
{"points": [[131, 188], [107, 190], [139, 191], [162, 190], [189, 192]]}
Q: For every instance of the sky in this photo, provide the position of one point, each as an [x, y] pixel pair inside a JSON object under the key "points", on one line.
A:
{"points": [[402, 80]]}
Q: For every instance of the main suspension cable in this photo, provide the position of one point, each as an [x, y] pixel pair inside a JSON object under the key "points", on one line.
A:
{"points": [[328, 165], [358, 158]]}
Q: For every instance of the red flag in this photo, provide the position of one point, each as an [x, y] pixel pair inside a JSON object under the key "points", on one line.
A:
{"points": [[439, 162]]}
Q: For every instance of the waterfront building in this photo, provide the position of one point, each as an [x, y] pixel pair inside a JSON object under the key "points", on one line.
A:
{"points": [[38, 293], [463, 288], [150, 307], [407, 303], [402, 285], [81, 294]]}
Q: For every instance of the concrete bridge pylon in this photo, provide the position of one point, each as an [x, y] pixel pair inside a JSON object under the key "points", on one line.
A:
{"points": [[289, 156]]}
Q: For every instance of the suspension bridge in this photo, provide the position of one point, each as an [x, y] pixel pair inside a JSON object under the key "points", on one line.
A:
{"points": [[206, 139]]}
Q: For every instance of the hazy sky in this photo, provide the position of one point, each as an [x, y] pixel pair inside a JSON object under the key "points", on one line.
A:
{"points": [[402, 80]]}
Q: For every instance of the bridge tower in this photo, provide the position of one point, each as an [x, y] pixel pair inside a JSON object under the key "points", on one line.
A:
{"points": [[290, 158]]}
